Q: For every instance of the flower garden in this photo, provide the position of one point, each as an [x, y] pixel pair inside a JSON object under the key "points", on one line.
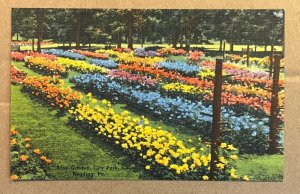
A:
{"points": [[145, 108]]}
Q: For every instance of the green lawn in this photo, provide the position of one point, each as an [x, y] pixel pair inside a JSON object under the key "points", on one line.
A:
{"points": [[68, 146], [262, 168]]}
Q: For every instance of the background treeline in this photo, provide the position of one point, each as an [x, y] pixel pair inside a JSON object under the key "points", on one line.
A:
{"points": [[178, 28]]}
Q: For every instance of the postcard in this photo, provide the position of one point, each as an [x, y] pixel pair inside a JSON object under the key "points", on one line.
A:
{"points": [[147, 94]]}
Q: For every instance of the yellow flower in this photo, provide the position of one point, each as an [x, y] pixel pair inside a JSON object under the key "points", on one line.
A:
{"points": [[223, 145], [206, 178], [220, 165], [13, 142], [14, 177], [104, 101], [234, 157], [245, 178], [94, 101], [147, 167], [230, 147]]}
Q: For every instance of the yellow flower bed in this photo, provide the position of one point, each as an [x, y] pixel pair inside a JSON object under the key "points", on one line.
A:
{"points": [[45, 66], [81, 66], [128, 58], [158, 149], [184, 88]]}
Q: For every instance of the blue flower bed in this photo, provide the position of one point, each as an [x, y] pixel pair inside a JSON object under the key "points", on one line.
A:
{"points": [[62, 53], [182, 112], [110, 64], [180, 67]]}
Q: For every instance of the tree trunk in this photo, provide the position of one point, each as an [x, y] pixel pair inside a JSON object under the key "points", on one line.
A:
{"points": [[32, 44], [63, 44], [70, 45], [248, 54], [40, 25], [119, 40], [130, 29], [175, 39], [255, 48], [17, 36], [231, 41], [266, 48], [221, 44], [78, 29]]}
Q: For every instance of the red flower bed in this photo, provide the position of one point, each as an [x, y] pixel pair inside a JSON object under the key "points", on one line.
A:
{"points": [[37, 54], [92, 54], [17, 56], [17, 76]]}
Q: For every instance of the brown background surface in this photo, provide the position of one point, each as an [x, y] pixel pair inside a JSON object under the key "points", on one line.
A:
{"points": [[292, 101]]}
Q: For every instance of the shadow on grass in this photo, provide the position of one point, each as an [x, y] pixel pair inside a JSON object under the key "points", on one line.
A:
{"points": [[126, 160]]}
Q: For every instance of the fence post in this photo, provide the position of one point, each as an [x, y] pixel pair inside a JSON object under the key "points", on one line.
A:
{"points": [[274, 106], [216, 131], [271, 61]]}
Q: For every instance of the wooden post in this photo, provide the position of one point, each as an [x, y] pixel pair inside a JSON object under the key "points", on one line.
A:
{"points": [[216, 131], [248, 52], [274, 107], [271, 61]]}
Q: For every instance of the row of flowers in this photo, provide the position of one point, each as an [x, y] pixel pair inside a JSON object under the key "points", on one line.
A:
{"points": [[181, 68], [91, 54], [177, 111], [141, 52], [110, 64], [81, 66], [45, 66], [161, 153], [66, 54], [17, 76], [139, 81], [19, 56], [167, 75], [52, 90], [171, 51], [242, 75], [27, 161]]}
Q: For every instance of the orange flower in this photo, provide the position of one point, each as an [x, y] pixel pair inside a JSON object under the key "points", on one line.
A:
{"points": [[43, 158], [14, 177], [13, 142], [27, 139], [23, 158], [27, 145], [13, 132], [37, 151], [48, 161]]}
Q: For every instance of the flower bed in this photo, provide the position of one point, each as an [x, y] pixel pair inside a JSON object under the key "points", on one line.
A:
{"points": [[46, 89], [140, 52], [27, 161], [37, 54], [195, 55], [66, 54], [81, 66], [110, 64], [140, 82], [180, 67], [127, 58], [16, 75], [45, 66], [91, 54], [161, 153], [177, 111], [167, 75], [17, 56]]}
